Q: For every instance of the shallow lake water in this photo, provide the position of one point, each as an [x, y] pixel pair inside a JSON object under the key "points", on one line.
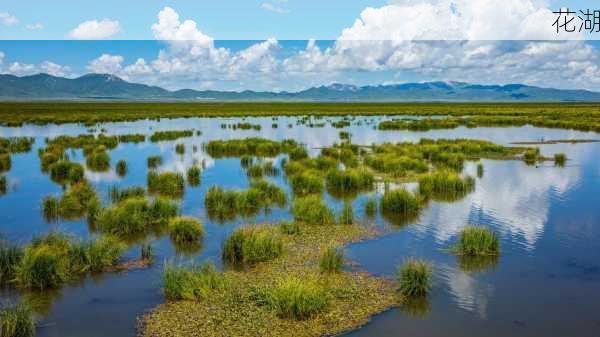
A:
{"points": [[545, 283]]}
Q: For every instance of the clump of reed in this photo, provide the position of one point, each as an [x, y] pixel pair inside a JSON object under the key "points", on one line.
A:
{"points": [[154, 162], [332, 260], [560, 159], [180, 148], [185, 230], [249, 147], [290, 227], [160, 136], [312, 210], [55, 258], [446, 185], [10, 257], [306, 183], [227, 204], [17, 321], [480, 170], [193, 175], [477, 241], [3, 185], [346, 215], [371, 207], [119, 194], [349, 180], [246, 246], [192, 282], [147, 252], [79, 200], [258, 170], [97, 159], [531, 156], [169, 184], [136, 216], [296, 298], [401, 202], [414, 278], [5, 162], [64, 171], [121, 168]]}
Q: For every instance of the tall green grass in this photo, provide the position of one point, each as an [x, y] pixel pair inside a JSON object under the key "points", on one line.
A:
{"points": [[193, 175], [180, 148], [297, 298], [98, 159], [136, 216], [191, 283], [3, 185], [53, 259], [224, 204], [349, 180], [10, 257], [185, 230], [414, 278], [346, 215], [446, 185], [401, 202], [560, 159], [17, 321], [480, 170], [154, 161], [121, 168], [312, 210], [371, 207], [332, 260], [169, 184], [250, 245], [306, 183], [117, 194], [160, 136], [477, 241], [64, 171]]}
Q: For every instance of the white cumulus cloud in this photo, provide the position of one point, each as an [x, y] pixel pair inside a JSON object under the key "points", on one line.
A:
{"points": [[96, 30], [273, 8], [106, 64], [35, 26], [8, 19]]}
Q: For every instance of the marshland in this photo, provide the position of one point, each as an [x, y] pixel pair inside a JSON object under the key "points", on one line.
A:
{"points": [[359, 219]]}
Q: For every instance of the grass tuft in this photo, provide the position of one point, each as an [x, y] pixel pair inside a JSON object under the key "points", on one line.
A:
{"points": [[251, 245], [17, 321], [414, 277], [477, 241], [185, 230], [332, 260], [312, 210]]}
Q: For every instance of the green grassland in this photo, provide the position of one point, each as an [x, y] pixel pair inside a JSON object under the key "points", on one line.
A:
{"points": [[15, 113]]}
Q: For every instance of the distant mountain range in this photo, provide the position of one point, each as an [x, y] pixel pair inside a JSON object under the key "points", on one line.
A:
{"points": [[110, 87]]}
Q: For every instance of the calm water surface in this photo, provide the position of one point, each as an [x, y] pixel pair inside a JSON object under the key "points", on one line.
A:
{"points": [[545, 283]]}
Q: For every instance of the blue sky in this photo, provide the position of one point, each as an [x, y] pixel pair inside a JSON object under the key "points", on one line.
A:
{"points": [[267, 44], [223, 20]]}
